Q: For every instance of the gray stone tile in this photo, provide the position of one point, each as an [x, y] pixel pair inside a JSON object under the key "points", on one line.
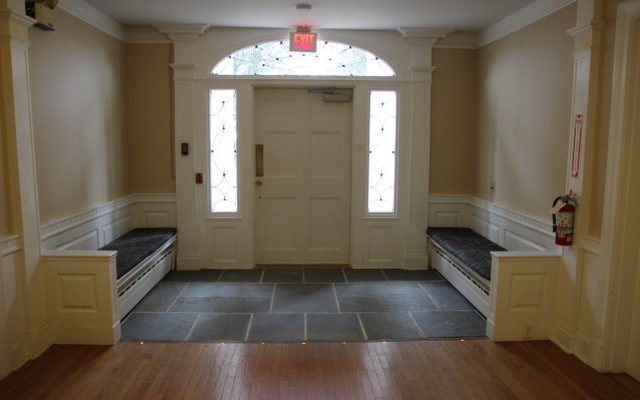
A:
{"points": [[446, 296], [334, 327], [389, 325], [222, 289], [451, 323], [220, 327], [160, 298], [379, 288], [404, 275], [241, 275], [285, 274], [222, 304], [203, 275], [364, 275], [277, 328], [385, 303], [311, 297], [323, 275], [158, 326]]}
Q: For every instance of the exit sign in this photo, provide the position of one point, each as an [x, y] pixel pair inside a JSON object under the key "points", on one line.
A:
{"points": [[302, 41]]}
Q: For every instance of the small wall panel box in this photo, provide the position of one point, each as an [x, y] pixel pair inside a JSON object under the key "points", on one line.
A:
{"points": [[42, 12]]}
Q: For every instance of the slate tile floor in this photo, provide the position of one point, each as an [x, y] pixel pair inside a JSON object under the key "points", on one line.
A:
{"points": [[293, 304]]}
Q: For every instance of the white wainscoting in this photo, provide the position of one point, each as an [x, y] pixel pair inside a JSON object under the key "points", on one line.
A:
{"points": [[94, 228], [584, 336], [511, 229], [522, 295], [14, 349]]}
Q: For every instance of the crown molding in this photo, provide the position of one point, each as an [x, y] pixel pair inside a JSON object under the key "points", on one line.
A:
{"points": [[458, 40], [145, 35], [182, 32], [424, 36], [94, 17], [520, 19], [424, 32]]}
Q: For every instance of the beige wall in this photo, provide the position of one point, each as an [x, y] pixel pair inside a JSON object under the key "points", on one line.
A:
{"points": [[78, 85], [524, 99], [453, 139], [150, 118]]}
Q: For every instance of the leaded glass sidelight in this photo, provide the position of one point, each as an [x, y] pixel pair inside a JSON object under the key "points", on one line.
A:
{"points": [[223, 136], [382, 151], [330, 59]]}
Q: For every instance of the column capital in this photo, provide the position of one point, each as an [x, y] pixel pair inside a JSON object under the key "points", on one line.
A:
{"points": [[587, 36], [424, 36], [16, 17], [182, 32], [15, 26]]}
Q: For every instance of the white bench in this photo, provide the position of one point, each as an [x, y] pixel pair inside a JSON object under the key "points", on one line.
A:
{"points": [[86, 297], [517, 295]]}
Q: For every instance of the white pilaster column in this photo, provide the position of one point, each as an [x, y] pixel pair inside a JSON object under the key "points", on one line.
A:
{"points": [[28, 303], [183, 37], [422, 42], [576, 319]]}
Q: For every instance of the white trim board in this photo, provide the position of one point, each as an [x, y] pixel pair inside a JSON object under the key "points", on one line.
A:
{"points": [[94, 17], [518, 20]]}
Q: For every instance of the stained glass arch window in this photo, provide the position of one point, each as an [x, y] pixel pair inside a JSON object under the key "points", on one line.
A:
{"points": [[331, 59]]}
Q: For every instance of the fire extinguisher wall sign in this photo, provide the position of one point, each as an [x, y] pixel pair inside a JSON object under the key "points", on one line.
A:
{"points": [[575, 153], [563, 218]]}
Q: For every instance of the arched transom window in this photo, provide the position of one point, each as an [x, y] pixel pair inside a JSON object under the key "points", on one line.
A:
{"points": [[330, 59]]}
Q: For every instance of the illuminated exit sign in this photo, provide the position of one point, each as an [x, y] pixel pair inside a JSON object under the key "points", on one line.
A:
{"points": [[303, 41]]}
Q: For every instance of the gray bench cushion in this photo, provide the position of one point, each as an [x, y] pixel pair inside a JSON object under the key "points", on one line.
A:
{"points": [[467, 246], [137, 245]]}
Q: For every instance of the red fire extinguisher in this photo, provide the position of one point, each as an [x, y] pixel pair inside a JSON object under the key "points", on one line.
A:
{"points": [[563, 216]]}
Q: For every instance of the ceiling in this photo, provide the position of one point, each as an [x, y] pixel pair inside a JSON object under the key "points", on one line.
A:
{"points": [[463, 15]]}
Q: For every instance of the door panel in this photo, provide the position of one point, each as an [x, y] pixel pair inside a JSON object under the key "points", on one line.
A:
{"points": [[302, 213]]}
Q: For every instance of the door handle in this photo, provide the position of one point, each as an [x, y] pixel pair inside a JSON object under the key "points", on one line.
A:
{"points": [[259, 160]]}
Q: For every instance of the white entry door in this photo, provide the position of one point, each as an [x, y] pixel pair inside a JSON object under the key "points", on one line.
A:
{"points": [[303, 202]]}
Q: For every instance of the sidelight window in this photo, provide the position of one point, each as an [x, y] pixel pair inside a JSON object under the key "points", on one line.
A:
{"points": [[382, 151], [223, 139]]}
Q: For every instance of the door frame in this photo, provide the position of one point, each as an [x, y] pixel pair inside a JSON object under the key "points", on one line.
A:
{"points": [[620, 241], [228, 241]]}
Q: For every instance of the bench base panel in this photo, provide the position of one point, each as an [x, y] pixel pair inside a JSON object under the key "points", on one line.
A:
{"points": [[459, 276], [152, 272]]}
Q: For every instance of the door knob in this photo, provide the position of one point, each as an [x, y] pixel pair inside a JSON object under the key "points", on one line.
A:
{"points": [[258, 182]]}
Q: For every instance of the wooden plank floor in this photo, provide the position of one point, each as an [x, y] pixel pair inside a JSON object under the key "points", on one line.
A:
{"points": [[473, 369]]}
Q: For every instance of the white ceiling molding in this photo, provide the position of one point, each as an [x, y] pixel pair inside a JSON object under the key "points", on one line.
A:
{"points": [[458, 40], [424, 32], [145, 35], [182, 32], [424, 36], [94, 17], [520, 19]]}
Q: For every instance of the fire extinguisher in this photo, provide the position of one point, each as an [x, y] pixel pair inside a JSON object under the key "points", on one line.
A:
{"points": [[563, 217]]}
